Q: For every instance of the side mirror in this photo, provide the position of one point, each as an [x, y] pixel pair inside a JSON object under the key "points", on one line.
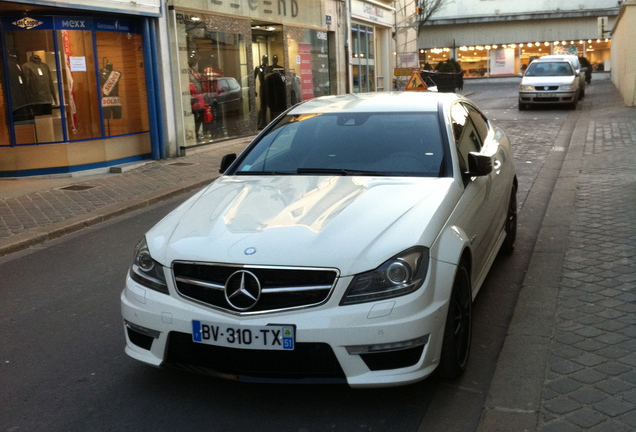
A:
{"points": [[227, 160], [479, 165]]}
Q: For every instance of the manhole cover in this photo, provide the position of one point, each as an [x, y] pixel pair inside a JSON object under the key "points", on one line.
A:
{"points": [[183, 164], [76, 188]]}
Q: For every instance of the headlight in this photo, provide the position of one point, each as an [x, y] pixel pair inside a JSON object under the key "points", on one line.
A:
{"points": [[400, 275], [566, 87], [146, 271], [526, 88]]}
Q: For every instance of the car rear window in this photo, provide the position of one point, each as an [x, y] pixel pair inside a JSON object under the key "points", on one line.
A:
{"points": [[387, 144]]}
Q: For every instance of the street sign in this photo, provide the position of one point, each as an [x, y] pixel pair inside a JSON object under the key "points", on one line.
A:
{"points": [[416, 83], [404, 71]]}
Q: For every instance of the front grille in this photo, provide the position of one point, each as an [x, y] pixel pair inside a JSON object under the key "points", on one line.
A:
{"points": [[546, 88], [280, 288], [546, 99], [305, 361]]}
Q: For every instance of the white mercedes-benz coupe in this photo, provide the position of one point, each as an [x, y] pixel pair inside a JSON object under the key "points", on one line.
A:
{"points": [[346, 244]]}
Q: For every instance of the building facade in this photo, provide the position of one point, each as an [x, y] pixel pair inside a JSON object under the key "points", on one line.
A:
{"points": [[236, 65], [500, 37], [76, 86]]}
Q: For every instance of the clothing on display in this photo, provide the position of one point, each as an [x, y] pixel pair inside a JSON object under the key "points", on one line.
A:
{"points": [[276, 89], [196, 100], [17, 81], [109, 83], [40, 90], [259, 75]]}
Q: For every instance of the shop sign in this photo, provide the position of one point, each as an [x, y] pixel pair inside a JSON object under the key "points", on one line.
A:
{"points": [[27, 23], [70, 23], [372, 12], [404, 71], [306, 12]]}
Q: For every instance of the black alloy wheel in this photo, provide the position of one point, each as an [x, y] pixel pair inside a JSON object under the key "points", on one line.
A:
{"points": [[508, 246], [458, 330]]}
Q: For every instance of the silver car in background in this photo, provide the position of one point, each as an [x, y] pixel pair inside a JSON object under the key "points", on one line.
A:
{"points": [[550, 81]]}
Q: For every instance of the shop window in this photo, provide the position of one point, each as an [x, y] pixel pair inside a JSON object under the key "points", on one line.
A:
{"points": [[93, 88], [79, 85], [308, 73], [122, 89], [33, 92], [214, 78]]}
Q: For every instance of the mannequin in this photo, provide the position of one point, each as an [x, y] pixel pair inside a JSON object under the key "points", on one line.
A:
{"points": [[40, 90], [276, 91], [17, 82], [259, 75], [109, 82], [196, 98]]}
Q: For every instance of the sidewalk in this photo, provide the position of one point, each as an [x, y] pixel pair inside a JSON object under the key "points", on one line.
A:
{"points": [[35, 210], [569, 359]]}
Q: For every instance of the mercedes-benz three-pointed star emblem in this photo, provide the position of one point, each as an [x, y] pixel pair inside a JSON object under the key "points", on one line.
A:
{"points": [[242, 290]]}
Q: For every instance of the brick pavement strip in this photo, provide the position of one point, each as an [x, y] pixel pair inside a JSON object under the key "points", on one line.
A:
{"points": [[37, 217], [588, 380]]}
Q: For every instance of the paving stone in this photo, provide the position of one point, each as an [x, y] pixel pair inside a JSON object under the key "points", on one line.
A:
{"points": [[614, 406], [612, 386], [585, 418]]}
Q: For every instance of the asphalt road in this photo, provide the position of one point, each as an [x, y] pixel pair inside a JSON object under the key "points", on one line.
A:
{"points": [[62, 365]]}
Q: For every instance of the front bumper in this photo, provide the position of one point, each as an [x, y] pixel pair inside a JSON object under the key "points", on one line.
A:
{"points": [[547, 97], [385, 343]]}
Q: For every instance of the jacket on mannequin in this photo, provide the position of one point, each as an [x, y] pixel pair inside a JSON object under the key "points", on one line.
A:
{"points": [[40, 90]]}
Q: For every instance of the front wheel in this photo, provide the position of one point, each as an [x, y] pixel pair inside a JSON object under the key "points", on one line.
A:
{"points": [[458, 329]]}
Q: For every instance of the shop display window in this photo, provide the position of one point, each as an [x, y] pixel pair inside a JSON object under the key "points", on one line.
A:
{"points": [[308, 72], [64, 84], [122, 83], [214, 78]]}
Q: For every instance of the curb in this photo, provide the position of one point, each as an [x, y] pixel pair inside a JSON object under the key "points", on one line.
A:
{"points": [[55, 230]]}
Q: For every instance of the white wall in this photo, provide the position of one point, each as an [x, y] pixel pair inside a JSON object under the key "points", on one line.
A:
{"points": [[477, 8], [137, 7]]}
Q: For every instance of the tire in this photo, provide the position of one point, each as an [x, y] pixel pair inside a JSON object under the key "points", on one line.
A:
{"points": [[458, 329], [508, 246]]}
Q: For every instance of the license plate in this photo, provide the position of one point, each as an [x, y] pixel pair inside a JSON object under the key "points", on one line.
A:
{"points": [[269, 337], [545, 95]]}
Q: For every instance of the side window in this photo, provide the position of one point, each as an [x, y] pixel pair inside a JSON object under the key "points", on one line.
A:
{"points": [[480, 123], [465, 134]]}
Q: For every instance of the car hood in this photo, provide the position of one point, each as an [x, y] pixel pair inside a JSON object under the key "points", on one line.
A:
{"points": [[547, 81], [349, 223]]}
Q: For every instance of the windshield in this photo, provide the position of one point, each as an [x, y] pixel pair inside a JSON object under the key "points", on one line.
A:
{"points": [[562, 68], [386, 144]]}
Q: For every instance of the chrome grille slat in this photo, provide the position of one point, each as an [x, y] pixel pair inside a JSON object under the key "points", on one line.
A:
{"points": [[282, 288]]}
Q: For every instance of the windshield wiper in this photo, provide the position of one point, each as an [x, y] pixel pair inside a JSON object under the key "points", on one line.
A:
{"points": [[264, 173], [340, 171]]}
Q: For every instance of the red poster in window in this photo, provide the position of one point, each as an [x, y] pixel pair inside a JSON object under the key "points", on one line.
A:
{"points": [[66, 40], [306, 72]]}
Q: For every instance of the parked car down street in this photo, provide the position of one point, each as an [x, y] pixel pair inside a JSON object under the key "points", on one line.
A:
{"points": [[345, 244], [550, 81]]}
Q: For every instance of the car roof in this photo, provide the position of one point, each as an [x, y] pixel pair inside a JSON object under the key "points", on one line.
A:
{"points": [[407, 101]]}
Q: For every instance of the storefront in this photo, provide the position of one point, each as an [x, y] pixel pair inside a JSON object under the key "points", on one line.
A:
{"points": [[513, 58], [371, 26], [240, 64], [73, 91]]}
